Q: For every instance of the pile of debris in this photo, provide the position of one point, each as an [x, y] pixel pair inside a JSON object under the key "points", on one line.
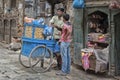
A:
{"points": [[15, 45]]}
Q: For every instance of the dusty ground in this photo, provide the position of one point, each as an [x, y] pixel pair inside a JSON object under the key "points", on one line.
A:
{"points": [[11, 69]]}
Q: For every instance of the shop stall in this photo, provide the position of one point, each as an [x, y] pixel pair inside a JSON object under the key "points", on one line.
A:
{"points": [[96, 37]]}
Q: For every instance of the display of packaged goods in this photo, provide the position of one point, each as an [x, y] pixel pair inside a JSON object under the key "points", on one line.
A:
{"points": [[39, 33], [28, 31], [101, 38]]}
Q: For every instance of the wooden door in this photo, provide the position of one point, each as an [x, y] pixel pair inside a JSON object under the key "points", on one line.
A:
{"points": [[6, 31]]}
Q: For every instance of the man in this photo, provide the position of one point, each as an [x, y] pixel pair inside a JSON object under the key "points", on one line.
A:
{"points": [[57, 23], [65, 46]]}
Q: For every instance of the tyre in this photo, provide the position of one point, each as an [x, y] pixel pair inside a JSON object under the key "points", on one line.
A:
{"points": [[24, 60], [42, 58]]}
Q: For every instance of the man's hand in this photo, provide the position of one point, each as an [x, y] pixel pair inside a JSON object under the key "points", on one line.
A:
{"points": [[53, 25], [58, 28]]}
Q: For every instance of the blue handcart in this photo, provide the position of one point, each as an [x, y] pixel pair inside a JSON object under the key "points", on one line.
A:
{"points": [[36, 53]]}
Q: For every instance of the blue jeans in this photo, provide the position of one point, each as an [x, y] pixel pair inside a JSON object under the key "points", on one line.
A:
{"points": [[65, 54]]}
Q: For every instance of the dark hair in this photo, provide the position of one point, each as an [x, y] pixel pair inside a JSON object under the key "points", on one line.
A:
{"points": [[61, 9], [66, 17]]}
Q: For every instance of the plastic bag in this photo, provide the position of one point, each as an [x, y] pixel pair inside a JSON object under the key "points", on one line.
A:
{"points": [[48, 31], [78, 4], [39, 22], [85, 61]]}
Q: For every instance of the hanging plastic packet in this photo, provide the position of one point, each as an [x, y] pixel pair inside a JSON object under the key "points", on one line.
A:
{"points": [[39, 22], [48, 31], [78, 4]]}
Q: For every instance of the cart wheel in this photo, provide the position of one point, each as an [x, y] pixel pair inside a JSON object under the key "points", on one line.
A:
{"points": [[24, 60], [42, 57]]}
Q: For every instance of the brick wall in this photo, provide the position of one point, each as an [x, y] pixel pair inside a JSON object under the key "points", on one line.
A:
{"points": [[11, 13]]}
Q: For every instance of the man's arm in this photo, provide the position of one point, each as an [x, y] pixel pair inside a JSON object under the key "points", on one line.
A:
{"points": [[59, 28], [53, 25]]}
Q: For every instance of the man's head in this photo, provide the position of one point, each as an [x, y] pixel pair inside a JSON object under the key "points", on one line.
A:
{"points": [[60, 11], [66, 17]]}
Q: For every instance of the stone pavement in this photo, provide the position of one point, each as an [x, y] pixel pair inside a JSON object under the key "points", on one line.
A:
{"points": [[11, 69]]}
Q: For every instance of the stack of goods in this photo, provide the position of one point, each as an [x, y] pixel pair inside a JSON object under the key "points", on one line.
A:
{"points": [[93, 36], [101, 38], [98, 41], [28, 32], [98, 37], [39, 33]]}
